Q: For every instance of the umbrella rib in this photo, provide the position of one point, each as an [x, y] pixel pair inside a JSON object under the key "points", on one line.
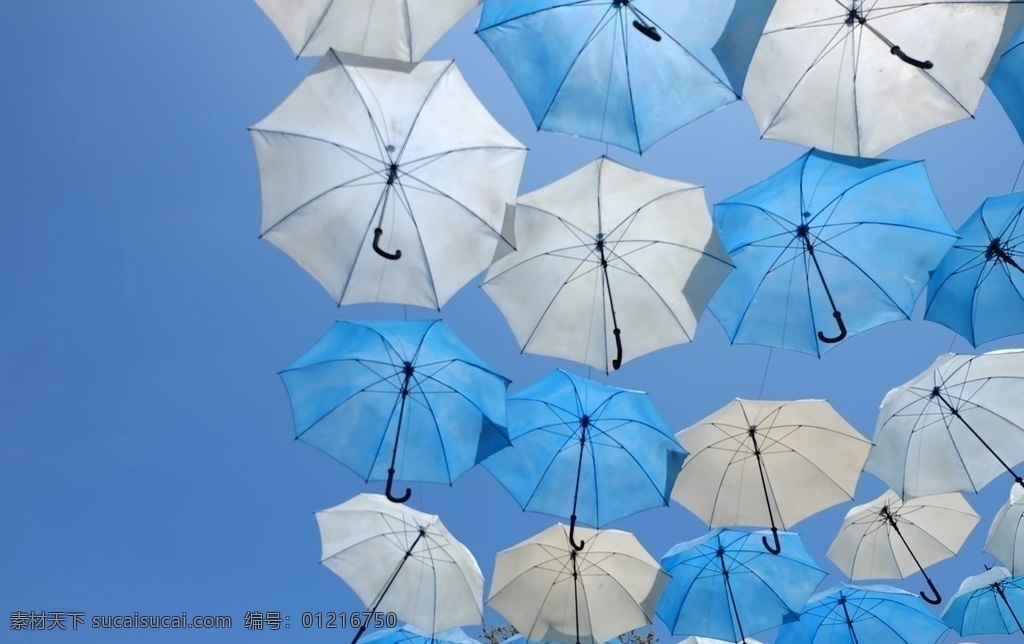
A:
{"points": [[404, 198], [564, 5], [419, 112], [316, 26], [629, 81]]}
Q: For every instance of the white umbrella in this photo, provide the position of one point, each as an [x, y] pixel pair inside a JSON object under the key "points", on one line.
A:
{"points": [[1005, 539], [391, 29], [696, 639], [891, 539], [399, 560], [610, 264], [953, 428], [857, 78], [550, 592], [769, 464], [386, 186]]}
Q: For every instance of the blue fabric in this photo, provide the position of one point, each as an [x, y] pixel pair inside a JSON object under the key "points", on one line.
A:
{"points": [[345, 397], [769, 590], [878, 613], [630, 463], [877, 230], [1007, 81], [582, 68], [975, 291], [982, 611], [409, 634]]}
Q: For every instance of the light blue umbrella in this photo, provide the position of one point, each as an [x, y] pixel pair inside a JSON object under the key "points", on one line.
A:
{"points": [[977, 288], [992, 602], [1006, 81], [827, 247], [368, 392], [586, 451], [726, 585], [409, 634], [624, 72], [863, 615]]}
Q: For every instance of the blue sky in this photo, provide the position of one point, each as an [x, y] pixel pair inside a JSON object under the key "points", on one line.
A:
{"points": [[147, 456]]}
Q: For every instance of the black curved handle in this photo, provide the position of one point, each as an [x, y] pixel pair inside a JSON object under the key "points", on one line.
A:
{"points": [[935, 591], [377, 232], [572, 534], [647, 30], [777, 548], [391, 483], [896, 51], [617, 362], [842, 329]]}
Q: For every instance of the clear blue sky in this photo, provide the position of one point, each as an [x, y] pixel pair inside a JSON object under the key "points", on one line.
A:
{"points": [[147, 458]]}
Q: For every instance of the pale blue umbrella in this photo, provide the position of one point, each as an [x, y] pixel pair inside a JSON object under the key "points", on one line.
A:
{"points": [[992, 602]]}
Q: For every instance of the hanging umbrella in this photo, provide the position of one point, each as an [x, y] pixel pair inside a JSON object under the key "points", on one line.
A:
{"points": [[624, 72], [724, 585], [407, 164], [585, 451], [611, 264], [399, 560], [953, 428], [992, 602], [977, 288], [857, 78], [863, 615], [1005, 539], [764, 463], [552, 592], [1005, 81], [369, 392], [389, 29], [889, 538], [409, 634], [827, 242], [695, 639]]}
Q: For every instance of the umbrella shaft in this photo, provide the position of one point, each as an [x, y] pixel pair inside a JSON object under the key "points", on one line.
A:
{"points": [[999, 589], [401, 413], [956, 412], [394, 576], [764, 479], [849, 622], [732, 598]]}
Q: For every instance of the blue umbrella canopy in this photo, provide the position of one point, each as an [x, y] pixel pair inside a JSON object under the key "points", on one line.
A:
{"points": [[586, 451], [624, 72], [850, 614], [992, 602], [1005, 81], [976, 290], [828, 247], [370, 393], [726, 585], [408, 634]]}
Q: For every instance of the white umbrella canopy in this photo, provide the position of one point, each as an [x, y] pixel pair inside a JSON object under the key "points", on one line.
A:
{"points": [[610, 264], [1005, 539], [401, 560], [386, 185], [857, 78], [401, 30], [764, 463], [696, 639], [889, 538], [616, 589]]}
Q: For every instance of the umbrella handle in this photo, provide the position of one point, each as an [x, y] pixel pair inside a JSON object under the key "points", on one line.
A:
{"points": [[377, 232], [391, 482], [896, 51], [572, 534], [777, 548], [842, 329], [647, 30], [935, 591], [617, 362]]}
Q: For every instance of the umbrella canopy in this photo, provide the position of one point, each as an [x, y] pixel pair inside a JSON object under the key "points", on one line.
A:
{"points": [[863, 615], [586, 451], [953, 428], [386, 185], [1005, 539], [769, 464], [724, 585], [409, 634], [399, 560], [624, 72], [1005, 81], [401, 30], [992, 602], [828, 247], [976, 288], [551, 592], [696, 639], [857, 78], [610, 264], [398, 397]]}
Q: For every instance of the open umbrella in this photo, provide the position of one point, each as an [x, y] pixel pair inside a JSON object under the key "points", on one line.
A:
{"points": [[1005, 81], [992, 602], [409, 634], [379, 395], [1005, 539], [386, 185], [610, 264], [769, 464], [827, 247]]}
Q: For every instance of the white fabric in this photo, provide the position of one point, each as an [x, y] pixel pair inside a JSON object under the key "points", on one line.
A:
{"points": [[696, 639], [391, 29], [817, 81], [1005, 539], [619, 585], [665, 261], [922, 448], [935, 528], [811, 456], [325, 155], [439, 585]]}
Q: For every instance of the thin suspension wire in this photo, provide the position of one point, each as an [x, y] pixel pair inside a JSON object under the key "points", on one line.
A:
{"points": [[764, 376]]}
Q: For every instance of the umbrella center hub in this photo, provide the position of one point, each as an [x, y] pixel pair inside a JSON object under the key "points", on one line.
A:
{"points": [[392, 173], [408, 370], [855, 17], [997, 249], [619, 4], [936, 392], [585, 421]]}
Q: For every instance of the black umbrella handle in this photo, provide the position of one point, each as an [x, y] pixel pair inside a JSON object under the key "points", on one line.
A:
{"points": [[617, 362], [391, 483], [842, 329], [931, 584], [377, 232], [921, 64], [572, 535], [777, 548]]}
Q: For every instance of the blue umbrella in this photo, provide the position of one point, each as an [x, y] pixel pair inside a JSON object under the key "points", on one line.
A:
{"points": [[863, 615], [725, 585], [828, 236], [409, 634], [992, 602], [977, 288], [1005, 81], [368, 391], [608, 446], [624, 72]]}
